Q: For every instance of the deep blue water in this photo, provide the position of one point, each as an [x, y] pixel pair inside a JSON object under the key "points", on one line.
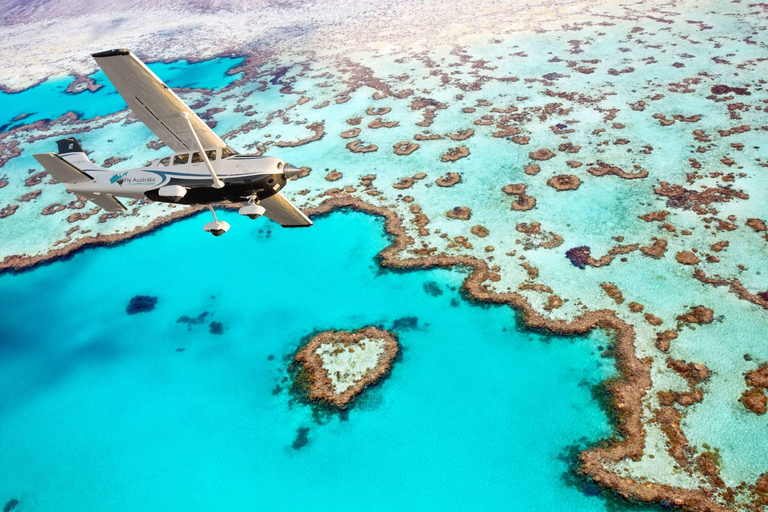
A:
{"points": [[49, 101], [100, 411]]}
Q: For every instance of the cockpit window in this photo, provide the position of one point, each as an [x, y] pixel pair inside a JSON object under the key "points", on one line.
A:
{"points": [[228, 152], [196, 158], [181, 159], [211, 154], [165, 162]]}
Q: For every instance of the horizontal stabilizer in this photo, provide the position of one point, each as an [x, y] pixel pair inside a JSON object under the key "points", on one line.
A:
{"points": [[60, 169], [108, 203], [284, 212]]}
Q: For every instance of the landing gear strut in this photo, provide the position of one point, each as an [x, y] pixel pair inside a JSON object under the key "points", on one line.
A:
{"points": [[252, 210], [217, 227]]}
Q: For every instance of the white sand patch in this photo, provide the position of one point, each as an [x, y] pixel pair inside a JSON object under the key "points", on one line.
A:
{"points": [[348, 364]]}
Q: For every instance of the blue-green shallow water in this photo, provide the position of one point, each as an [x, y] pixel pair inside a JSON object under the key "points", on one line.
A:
{"points": [[48, 100], [98, 411]]}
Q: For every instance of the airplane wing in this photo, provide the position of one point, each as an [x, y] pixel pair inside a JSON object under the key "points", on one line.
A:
{"points": [[284, 212], [154, 103], [107, 202]]}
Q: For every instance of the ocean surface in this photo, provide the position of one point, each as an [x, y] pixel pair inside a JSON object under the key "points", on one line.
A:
{"points": [[101, 410]]}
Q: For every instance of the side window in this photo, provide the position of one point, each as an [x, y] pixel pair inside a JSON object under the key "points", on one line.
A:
{"points": [[196, 158], [227, 152], [180, 159], [211, 154], [165, 162]]}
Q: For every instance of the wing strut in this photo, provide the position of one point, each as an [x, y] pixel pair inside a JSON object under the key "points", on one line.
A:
{"points": [[217, 183]]}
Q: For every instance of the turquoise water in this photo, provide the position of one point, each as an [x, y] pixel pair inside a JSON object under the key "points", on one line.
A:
{"points": [[100, 411], [49, 101]]}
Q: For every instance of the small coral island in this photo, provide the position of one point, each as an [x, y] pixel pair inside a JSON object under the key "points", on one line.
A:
{"points": [[336, 366]]}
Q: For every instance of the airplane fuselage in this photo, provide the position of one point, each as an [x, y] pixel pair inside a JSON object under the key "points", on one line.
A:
{"points": [[244, 176]]}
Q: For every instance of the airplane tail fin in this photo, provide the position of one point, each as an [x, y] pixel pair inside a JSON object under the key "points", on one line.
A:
{"points": [[71, 151], [66, 167], [69, 145]]}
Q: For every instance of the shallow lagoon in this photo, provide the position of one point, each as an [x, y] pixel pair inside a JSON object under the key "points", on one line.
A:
{"points": [[48, 100], [99, 411]]}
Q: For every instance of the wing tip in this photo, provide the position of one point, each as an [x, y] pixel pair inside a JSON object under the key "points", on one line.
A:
{"points": [[111, 53], [299, 225]]}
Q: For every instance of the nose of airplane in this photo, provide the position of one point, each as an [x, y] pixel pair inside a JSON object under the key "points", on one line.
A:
{"points": [[290, 171]]}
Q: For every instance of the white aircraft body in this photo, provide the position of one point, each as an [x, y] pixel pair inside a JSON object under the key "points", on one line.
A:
{"points": [[203, 169]]}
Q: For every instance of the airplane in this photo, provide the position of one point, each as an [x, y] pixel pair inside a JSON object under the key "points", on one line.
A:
{"points": [[203, 170]]}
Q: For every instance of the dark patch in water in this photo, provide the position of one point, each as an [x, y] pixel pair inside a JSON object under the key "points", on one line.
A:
{"points": [[406, 323], [10, 505], [302, 438], [725, 89], [180, 349], [270, 357], [432, 288], [579, 256], [141, 304], [454, 303], [216, 328], [190, 320], [276, 78], [277, 389]]}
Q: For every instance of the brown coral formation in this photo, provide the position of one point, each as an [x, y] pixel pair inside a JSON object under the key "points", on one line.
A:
{"points": [[603, 169], [656, 250], [541, 154], [514, 189], [319, 385], [380, 123], [404, 183], [524, 203], [698, 315], [532, 169], [687, 199], [694, 373], [663, 340], [536, 238], [82, 83], [735, 286], [9, 210], [654, 216], [687, 258], [564, 182], [479, 231], [449, 180], [459, 212], [758, 378], [757, 224], [334, 175], [454, 154], [405, 147], [461, 134], [754, 400], [351, 133], [357, 146], [613, 292], [373, 111]]}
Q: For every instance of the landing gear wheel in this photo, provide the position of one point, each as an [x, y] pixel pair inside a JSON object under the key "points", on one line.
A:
{"points": [[252, 210], [216, 227]]}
